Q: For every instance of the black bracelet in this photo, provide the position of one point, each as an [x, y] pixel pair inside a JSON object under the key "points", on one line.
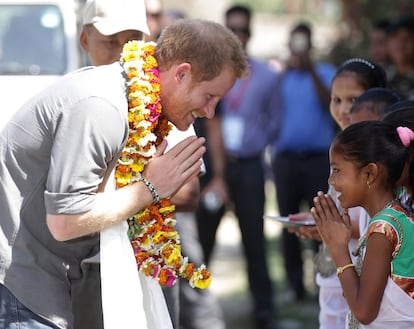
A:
{"points": [[151, 188]]}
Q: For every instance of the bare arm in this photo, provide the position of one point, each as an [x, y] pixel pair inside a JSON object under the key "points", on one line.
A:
{"points": [[217, 158], [304, 62], [364, 293], [167, 173], [322, 91]]}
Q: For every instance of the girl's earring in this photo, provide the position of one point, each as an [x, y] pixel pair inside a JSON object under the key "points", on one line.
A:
{"points": [[369, 185]]}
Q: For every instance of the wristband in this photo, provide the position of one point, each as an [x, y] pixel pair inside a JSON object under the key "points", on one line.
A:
{"points": [[151, 188], [341, 269]]}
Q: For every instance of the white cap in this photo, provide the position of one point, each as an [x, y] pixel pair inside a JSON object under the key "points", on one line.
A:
{"points": [[113, 16]]}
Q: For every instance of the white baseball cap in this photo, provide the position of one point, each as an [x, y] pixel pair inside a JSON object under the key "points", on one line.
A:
{"points": [[113, 16]]}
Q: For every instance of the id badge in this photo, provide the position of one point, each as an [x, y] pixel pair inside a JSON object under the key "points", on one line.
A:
{"points": [[233, 129]]}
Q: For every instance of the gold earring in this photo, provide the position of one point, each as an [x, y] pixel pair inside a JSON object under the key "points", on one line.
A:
{"points": [[368, 183]]}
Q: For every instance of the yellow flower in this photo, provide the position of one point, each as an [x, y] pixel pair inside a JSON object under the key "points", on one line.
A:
{"points": [[165, 236], [123, 178], [201, 278], [171, 252], [138, 166], [167, 209], [202, 283]]}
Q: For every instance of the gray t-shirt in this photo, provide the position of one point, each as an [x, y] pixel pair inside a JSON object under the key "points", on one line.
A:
{"points": [[56, 152]]}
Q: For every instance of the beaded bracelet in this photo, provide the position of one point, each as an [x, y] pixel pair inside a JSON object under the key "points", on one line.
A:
{"points": [[151, 188], [341, 269]]}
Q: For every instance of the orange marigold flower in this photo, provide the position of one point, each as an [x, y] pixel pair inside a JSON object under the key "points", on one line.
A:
{"points": [[123, 169]]}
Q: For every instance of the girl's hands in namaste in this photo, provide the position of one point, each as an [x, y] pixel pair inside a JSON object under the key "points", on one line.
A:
{"points": [[334, 228]]}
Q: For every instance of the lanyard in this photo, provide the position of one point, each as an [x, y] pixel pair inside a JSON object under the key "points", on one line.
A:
{"points": [[234, 97]]}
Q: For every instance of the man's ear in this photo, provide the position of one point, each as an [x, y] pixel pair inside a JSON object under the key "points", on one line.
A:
{"points": [[182, 72], [83, 40]]}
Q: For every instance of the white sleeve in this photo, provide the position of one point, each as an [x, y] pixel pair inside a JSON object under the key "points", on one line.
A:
{"points": [[175, 136]]}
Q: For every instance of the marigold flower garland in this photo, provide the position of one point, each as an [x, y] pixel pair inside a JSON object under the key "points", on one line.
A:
{"points": [[155, 241]]}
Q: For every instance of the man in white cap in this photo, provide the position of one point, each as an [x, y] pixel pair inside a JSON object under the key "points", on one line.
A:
{"points": [[108, 25]]}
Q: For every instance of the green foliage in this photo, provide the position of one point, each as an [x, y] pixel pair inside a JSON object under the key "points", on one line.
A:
{"points": [[367, 12]]}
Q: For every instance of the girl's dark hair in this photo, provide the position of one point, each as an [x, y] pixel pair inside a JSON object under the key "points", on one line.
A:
{"points": [[373, 142], [368, 74], [378, 101], [404, 111], [402, 114]]}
